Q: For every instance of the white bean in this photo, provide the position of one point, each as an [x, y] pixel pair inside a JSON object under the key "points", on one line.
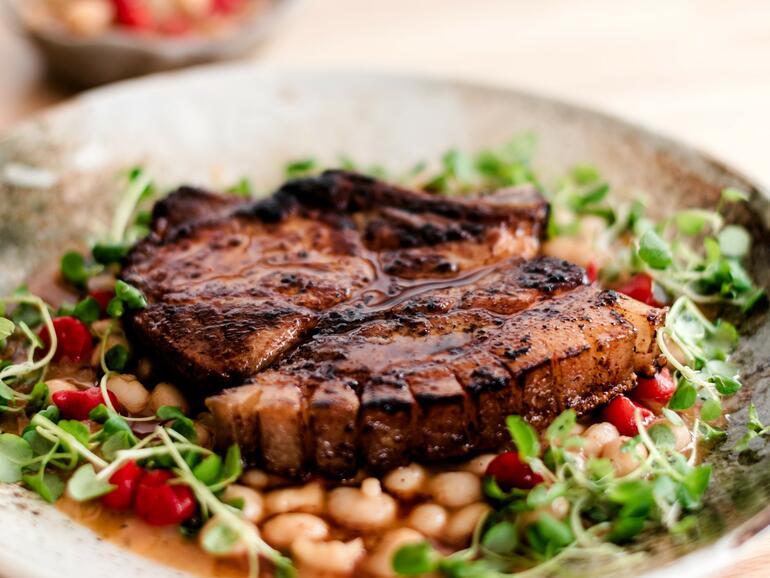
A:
{"points": [[406, 482], [130, 393], [253, 505], [167, 394], [256, 479], [462, 523], [55, 385], [204, 435], [101, 282], [380, 561], [328, 558], [597, 436], [455, 489], [366, 508], [308, 498], [478, 465], [627, 461], [428, 518], [281, 530]]}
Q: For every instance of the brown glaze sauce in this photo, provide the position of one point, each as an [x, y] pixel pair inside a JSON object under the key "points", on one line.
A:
{"points": [[164, 545]]}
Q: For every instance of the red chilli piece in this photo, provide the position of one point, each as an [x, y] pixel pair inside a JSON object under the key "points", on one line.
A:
{"points": [[74, 341], [620, 412], [134, 14], [126, 480], [592, 272], [162, 504], [225, 6], [510, 471], [103, 298], [639, 287], [78, 404], [658, 389]]}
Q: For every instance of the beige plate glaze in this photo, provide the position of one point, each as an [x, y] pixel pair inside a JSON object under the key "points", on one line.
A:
{"points": [[212, 126]]}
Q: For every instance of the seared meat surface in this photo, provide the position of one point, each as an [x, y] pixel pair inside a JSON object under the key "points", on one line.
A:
{"points": [[229, 293], [354, 323]]}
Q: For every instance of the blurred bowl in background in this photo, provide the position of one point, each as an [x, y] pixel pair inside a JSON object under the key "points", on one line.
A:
{"points": [[88, 61]]}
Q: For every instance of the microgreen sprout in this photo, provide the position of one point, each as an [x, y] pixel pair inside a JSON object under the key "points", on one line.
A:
{"points": [[13, 376]]}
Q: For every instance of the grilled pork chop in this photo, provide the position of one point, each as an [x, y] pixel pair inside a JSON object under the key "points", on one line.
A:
{"points": [[358, 323]]}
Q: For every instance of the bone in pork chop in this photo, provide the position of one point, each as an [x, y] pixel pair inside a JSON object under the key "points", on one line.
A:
{"points": [[364, 324]]}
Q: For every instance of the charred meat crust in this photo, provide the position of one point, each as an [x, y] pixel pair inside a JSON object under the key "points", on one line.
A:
{"points": [[232, 285], [367, 325]]}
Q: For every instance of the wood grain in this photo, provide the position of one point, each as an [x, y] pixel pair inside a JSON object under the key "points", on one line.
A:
{"points": [[697, 70]]}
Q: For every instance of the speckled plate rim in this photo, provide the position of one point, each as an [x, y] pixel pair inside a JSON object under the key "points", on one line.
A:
{"points": [[702, 562]]}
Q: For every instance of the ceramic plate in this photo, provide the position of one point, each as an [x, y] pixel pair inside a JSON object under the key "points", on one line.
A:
{"points": [[214, 125]]}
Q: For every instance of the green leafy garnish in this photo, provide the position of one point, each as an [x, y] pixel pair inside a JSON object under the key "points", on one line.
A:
{"points": [[129, 296]]}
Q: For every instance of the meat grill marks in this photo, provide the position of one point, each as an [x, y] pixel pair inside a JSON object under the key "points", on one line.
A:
{"points": [[366, 325], [232, 285], [438, 385]]}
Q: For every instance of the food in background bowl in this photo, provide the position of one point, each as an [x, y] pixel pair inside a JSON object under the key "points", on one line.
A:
{"points": [[86, 43], [92, 18]]}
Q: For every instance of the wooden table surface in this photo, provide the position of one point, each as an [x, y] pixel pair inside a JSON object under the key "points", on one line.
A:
{"points": [[696, 70]]}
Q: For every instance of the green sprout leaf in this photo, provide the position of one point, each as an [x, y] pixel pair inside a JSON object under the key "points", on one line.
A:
{"points": [[300, 168], [654, 251], [106, 253], [131, 297], [209, 471], [73, 268], [87, 310], [220, 539], [181, 423], [15, 452], [415, 559], [116, 358], [49, 486], [115, 308], [84, 485], [561, 427], [733, 195], [7, 327], [711, 410], [684, 397], [524, 436], [502, 538], [242, 188], [734, 241]]}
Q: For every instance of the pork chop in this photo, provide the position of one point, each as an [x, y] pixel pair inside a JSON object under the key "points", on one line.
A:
{"points": [[232, 286], [347, 322]]}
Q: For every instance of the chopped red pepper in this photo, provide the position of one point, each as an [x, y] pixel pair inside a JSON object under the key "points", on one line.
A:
{"points": [[639, 287], [78, 404], [127, 480], [510, 471], [620, 412], [592, 272], [103, 298], [658, 389], [162, 504], [134, 14], [225, 6], [74, 341]]}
